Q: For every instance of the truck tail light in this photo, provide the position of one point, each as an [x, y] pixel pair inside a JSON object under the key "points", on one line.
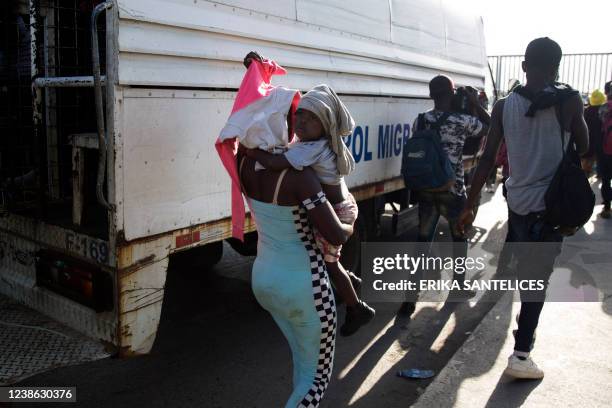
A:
{"points": [[75, 280]]}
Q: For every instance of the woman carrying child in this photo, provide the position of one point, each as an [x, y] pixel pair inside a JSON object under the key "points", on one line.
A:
{"points": [[321, 121], [289, 276]]}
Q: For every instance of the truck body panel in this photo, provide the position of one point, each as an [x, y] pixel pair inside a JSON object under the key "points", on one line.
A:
{"points": [[172, 178], [171, 70]]}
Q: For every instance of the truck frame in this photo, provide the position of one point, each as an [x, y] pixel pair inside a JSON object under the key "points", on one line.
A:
{"points": [[112, 108]]}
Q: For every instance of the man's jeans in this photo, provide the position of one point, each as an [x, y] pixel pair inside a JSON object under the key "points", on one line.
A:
{"points": [[533, 262], [449, 205]]}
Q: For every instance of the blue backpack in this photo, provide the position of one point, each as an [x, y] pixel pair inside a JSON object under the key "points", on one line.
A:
{"points": [[425, 165]]}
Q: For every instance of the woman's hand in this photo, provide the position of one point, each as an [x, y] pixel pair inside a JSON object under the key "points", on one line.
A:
{"points": [[253, 55]]}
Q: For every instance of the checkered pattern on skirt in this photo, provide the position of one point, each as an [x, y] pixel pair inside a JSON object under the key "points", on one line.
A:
{"points": [[325, 306]]}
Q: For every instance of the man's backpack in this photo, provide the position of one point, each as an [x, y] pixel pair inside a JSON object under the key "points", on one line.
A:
{"points": [[569, 198], [425, 165], [606, 130]]}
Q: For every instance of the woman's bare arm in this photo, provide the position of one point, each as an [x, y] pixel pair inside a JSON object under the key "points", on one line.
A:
{"points": [[306, 186]]}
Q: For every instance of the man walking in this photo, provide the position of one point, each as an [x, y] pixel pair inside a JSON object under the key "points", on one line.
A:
{"points": [[453, 132], [529, 121]]}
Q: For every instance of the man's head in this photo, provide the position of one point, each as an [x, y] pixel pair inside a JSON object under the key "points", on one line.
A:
{"points": [[542, 59], [608, 90], [441, 88]]}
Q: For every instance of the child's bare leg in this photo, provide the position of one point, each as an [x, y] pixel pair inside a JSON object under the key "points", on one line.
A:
{"points": [[358, 312], [342, 283]]}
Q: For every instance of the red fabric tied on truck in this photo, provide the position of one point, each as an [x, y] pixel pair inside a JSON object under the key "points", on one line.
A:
{"points": [[254, 86]]}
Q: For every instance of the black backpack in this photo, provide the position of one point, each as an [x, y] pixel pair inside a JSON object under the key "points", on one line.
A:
{"points": [[569, 199], [425, 165]]}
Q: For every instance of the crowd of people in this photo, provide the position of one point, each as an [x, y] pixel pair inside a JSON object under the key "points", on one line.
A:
{"points": [[304, 212], [598, 116]]}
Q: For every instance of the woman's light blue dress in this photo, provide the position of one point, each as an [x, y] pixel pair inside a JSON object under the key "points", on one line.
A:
{"points": [[290, 281]]}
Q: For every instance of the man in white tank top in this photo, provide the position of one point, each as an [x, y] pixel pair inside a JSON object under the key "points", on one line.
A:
{"points": [[533, 121]]}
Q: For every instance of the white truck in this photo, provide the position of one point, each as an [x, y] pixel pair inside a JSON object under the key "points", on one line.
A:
{"points": [[107, 159]]}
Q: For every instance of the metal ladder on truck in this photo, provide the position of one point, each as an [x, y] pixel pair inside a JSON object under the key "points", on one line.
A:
{"points": [[80, 141]]}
